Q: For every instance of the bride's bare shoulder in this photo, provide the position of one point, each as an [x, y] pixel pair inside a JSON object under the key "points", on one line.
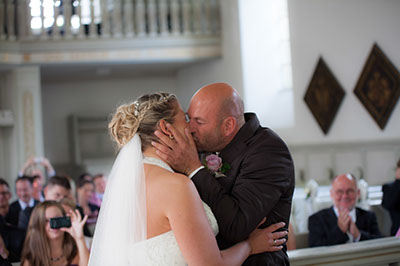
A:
{"points": [[168, 184]]}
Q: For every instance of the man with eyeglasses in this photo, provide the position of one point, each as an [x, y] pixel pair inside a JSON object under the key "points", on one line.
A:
{"points": [[343, 222]]}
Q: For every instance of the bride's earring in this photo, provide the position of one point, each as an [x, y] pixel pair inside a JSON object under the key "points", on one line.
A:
{"points": [[171, 137]]}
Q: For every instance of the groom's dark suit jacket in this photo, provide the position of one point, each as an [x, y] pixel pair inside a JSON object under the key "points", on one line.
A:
{"points": [[259, 184], [391, 202], [324, 230]]}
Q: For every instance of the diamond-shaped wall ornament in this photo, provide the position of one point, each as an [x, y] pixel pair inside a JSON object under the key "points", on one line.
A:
{"points": [[324, 96], [378, 87]]}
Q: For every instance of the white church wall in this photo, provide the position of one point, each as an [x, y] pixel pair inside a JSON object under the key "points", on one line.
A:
{"points": [[227, 69], [96, 97], [343, 33]]}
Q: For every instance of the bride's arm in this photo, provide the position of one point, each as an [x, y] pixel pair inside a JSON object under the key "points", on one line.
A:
{"points": [[185, 212]]}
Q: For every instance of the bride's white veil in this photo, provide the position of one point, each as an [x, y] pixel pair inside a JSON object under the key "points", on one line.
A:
{"points": [[122, 218]]}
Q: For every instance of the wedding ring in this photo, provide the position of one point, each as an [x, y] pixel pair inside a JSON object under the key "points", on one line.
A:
{"points": [[274, 242]]}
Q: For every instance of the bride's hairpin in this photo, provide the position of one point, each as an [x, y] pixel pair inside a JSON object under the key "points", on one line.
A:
{"points": [[136, 104]]}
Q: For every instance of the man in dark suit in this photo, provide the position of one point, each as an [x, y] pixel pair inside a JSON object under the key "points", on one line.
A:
{"points": [[391, 200], [11, 237], [255, 178], [343, 222], [57, 188], [24, 189]]}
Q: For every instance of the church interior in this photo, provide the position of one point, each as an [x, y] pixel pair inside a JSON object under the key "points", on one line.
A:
{"points": [[324, 75]]}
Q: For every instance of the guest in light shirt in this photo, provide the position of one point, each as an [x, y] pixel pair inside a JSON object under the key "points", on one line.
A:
{"points": [[100, 182], [343, 222], [24, 190]]}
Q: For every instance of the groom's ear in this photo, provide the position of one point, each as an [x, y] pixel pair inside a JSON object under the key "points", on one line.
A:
{"points": [[229, 125], [163, 127]]}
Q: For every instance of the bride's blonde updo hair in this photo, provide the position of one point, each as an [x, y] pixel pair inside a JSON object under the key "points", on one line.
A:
{"points": [[142, 117]]}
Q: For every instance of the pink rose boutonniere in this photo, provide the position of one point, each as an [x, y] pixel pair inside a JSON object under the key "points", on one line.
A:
{"points": [[214, 164]]}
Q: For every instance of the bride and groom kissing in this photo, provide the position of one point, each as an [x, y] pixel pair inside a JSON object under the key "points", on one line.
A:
{"points": [[163, 207]]}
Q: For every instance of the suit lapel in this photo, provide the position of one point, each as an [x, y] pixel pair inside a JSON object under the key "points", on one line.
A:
{"points": [[332, 219], [236, 149], [359, 219], [238, 144]]}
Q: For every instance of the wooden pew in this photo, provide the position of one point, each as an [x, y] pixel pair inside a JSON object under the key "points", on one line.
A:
{"points": [[383, 251]]}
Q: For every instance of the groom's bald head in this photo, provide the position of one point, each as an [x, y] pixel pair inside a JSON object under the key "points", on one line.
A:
{"points": [[216, 114], [223, 98]]}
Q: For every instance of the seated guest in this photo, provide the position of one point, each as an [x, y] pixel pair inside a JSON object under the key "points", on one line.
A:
{"points": [[37, 184], [343, 222], [391, 200], [24, 189], [68, 205], [41, 169], [57, 188], [85, 190], [5, 196], [11, 238], [100, 182], [85, 176], [46, 246]]}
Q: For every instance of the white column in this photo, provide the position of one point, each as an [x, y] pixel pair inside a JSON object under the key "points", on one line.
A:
{"points": [[186, 17], [67, 4], [2, 13], [81, 30], [175, 18], [28, 19], [56, 33], [140, 18], [216, 15], [197, 16], [21, 19], [43, 33], [10, 20], [23, 94], [105, 19], [116, 19], [92, 25], [128, 18], [151, 11], [207, 17], [162, 12]]}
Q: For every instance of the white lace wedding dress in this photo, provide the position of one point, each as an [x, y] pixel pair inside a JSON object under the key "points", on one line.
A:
{"points": [[163, 249]]}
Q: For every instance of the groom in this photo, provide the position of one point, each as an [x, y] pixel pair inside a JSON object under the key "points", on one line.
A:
{"points": [[260, 180]]}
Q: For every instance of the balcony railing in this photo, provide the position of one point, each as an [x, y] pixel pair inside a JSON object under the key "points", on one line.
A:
{"points": [[79, 19], [57, 31]]}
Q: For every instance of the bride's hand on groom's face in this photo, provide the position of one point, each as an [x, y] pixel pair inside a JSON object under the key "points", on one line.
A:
{"points": [[267, 240], [180, 151]]}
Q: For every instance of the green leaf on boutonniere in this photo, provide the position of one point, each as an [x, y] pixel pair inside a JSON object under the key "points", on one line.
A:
{"points": [[225, 167]]}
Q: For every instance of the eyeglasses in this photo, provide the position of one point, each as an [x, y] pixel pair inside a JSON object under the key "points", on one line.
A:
{"points": [[349, 192], [4, 193]]}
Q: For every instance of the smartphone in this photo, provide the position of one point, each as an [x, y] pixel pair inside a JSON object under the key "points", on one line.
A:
{"points": [[59, 222]]}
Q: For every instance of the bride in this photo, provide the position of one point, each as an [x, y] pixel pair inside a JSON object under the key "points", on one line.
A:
{"points": [[153, 216]]}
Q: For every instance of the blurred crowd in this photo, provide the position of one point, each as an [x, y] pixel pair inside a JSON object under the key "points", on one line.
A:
{"points": [[53, 217], [33, 229]]}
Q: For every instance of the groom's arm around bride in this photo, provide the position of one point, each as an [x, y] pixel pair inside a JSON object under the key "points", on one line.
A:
{"points": [[258, 172]]}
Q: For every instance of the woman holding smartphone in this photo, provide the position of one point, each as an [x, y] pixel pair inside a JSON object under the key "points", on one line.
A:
{"points": [[54, 246]]}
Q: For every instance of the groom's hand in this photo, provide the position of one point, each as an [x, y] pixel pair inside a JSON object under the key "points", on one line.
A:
{"points": [[179, 152]]}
